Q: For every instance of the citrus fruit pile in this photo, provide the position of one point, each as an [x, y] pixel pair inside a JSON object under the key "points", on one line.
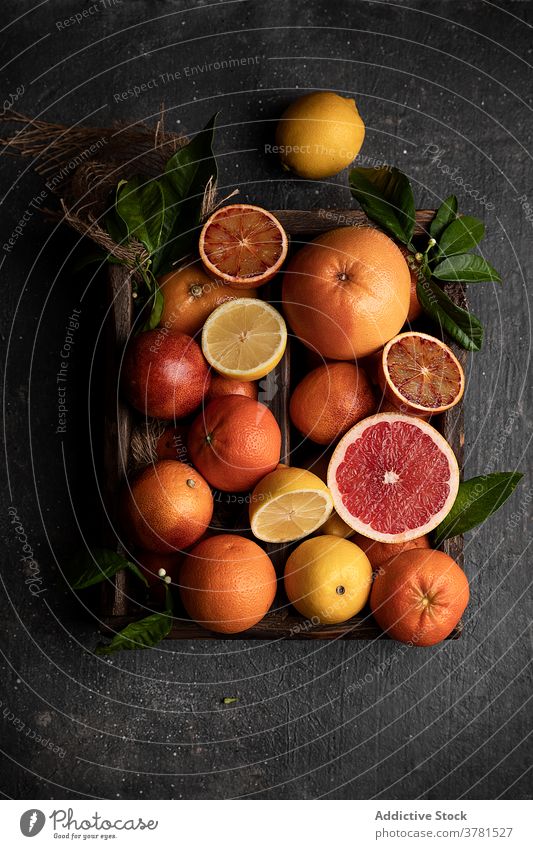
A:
{"points": [[369, 478]]}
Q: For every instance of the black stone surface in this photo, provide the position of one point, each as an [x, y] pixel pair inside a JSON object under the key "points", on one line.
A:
{"points": [[334, 720]]}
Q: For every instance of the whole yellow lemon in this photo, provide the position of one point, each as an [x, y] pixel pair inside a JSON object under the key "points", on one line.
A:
{"points": [[319, 134], [328, 579]]}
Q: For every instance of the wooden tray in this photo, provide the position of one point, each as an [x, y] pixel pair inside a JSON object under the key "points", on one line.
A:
{"points": [[117, 600]]}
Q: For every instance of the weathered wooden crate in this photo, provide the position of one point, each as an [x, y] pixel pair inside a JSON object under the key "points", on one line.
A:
{"points": [[118, 604]]}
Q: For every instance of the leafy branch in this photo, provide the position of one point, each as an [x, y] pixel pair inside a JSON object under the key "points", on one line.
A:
{"points": [[158, 218], [386, 196]]}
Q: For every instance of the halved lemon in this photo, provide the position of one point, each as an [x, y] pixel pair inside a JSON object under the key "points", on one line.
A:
{"points": [[245, 338], [288, 504]]}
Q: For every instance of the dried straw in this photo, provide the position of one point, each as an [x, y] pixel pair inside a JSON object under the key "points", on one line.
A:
{"points": [[82, 166]]}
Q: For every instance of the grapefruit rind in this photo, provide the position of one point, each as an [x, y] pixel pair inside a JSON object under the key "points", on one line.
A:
{"points": [[366, 529], [395, 395]]}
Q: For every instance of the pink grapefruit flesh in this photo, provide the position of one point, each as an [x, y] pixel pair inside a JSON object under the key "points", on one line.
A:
{"points": [[393, 477]]}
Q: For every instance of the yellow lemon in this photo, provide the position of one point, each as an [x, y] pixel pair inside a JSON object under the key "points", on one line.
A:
{"points": [[320, 134], [328, 579], [244, 338], [335, 526], [288, 504]]}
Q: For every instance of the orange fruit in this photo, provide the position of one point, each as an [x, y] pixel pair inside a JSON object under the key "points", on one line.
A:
{"points": [[221, 386], [420, 374], [415, 307], [419, 596], [328, 579], [243, 245], [234, 443], [386, 406], [393, 478], [172, 444], [378, 552], [167, 507], [347, 293], [227, 583], [190, 296], [329, 400], [164, 375]]}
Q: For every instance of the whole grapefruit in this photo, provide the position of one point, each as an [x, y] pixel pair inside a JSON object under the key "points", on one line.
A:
{"points": [[347, 293], [419, 596], [329, 400], [164, 374], [234, 442], [227, 583], [167, 507]]}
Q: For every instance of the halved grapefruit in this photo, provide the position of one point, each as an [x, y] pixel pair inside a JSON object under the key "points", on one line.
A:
{"points": [[243, 245], [393, 477], [420, 374]]}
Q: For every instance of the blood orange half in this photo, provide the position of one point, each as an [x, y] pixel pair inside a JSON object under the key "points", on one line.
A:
{"points": [[393, 478], [420, 374], [243, 245]]}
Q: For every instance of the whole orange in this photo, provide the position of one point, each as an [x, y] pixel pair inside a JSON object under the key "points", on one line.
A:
{"points": [[234, 442], [419, 596], [167, 507], [172, 444], [378, 552], [221, 386], [347, 293], [415, 308], [227, 583], [329, 400], [190, 296]]}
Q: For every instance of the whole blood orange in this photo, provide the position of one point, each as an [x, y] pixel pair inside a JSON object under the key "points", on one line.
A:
{"points": [[378, 552], [167, 507], [190, 296], [243, 245], [221, 386], [164, 375], [227, 583], [234, 442], [347, 293], [329, 400], [393, 478], [419, 596]]}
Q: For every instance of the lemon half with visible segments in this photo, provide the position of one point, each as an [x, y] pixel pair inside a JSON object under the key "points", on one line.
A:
{"points": [[244, 338], [288, 504]]}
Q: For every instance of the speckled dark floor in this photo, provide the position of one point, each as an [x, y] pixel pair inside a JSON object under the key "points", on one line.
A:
{"points": [[339, 720]]}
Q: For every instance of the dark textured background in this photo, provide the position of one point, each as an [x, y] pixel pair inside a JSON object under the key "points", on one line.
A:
{"points": [[342, 720]]}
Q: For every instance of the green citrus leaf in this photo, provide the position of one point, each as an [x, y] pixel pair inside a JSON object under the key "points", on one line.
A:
{"points": [[157, 302], [141, 205], [466, 268], [446, 213], [476, 500], [460, 236], [144, 634], [95, 565], [458, 323], [386, 196]]}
